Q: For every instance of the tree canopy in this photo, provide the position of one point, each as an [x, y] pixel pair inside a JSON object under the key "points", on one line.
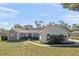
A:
{"points": [[17, 26], [71, 6], [38, 23], [65, 25]]}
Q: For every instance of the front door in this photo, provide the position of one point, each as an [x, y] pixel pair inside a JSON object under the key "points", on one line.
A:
{"points": [[30, 36]]}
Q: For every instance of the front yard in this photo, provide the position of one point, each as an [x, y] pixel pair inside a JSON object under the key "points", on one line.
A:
{"points": [[74, 38], [28, 49]]}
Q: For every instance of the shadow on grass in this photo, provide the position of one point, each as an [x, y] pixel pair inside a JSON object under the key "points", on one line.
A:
{"points": [[20, 40], [16, 41], [64, 45], [13, 41]]}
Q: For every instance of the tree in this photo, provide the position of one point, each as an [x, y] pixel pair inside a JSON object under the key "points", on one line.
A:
{"points": [[3, 32], [17, 26], [71, 6], [75, 7], [43, 26], [75, 27], [38, 23], [65, 25], [51, 23], [28, 27]]}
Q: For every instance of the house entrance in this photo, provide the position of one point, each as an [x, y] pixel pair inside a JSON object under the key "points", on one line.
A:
{"points": [[29, 36]]}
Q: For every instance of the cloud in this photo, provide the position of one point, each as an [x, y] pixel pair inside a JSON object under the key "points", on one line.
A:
{"points": [[7, 12], [55, 4], [71, 15], [48, 4], [4, 23], [2, 4], [70, 18]]}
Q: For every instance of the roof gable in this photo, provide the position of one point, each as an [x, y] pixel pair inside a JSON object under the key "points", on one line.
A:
{"points": [[52, 26]]}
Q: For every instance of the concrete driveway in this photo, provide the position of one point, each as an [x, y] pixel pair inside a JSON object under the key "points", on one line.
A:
{"points": [[75, 44], [73, 40]]}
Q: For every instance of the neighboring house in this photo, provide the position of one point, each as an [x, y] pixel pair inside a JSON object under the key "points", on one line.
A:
{"points": [[74, 34], [52, 30]]}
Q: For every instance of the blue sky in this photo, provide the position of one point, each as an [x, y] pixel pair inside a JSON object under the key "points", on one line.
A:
{"points": [[21, 13]]}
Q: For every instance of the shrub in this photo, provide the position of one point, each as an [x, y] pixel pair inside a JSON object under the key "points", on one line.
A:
{"points": [[35, 38], [23, 38], [3, 38]]}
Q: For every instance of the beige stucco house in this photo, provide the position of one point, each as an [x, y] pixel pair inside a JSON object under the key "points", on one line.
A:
{"points": [[52, 30]]}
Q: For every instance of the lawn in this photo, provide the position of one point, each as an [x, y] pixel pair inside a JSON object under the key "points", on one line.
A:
{"points": [[75, 38], [28, 49]]}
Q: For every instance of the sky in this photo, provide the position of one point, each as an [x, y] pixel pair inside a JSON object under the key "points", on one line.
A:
{"points": [[27, 13]]}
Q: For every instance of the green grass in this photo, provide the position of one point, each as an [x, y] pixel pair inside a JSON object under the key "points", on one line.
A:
{"points": [[20, 49]]}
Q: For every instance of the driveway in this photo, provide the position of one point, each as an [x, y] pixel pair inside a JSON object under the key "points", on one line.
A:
{"points": [[74, 40], [75, 44]]}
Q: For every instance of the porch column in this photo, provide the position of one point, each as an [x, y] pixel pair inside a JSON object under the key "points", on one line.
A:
{"points": [[18, 36], [8, 36]]}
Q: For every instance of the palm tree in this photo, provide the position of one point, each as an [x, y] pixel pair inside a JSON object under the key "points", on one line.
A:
{"points": [[38, 23]]}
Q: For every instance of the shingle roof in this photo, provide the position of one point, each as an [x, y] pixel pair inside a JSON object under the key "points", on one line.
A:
{"points": [[20, 30], [23, 30], [53, 27]]}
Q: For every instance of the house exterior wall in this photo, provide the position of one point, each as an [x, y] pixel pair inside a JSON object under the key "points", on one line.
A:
{"points": [[35, 35], [12, 35], [23, 34], [27, 34], [52, 31], [18, 36]]}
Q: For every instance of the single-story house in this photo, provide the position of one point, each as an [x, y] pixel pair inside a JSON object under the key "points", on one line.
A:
{"points": [[50, 32], [17, 33]]}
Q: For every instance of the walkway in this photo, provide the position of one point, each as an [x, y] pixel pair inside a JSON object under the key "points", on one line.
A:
{"points": [[74, 40], [38, 44]]}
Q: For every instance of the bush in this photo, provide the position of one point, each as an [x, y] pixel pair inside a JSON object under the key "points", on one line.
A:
{"points": [[29, 37], [3, 38], [35, 38], [23, 38]]}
